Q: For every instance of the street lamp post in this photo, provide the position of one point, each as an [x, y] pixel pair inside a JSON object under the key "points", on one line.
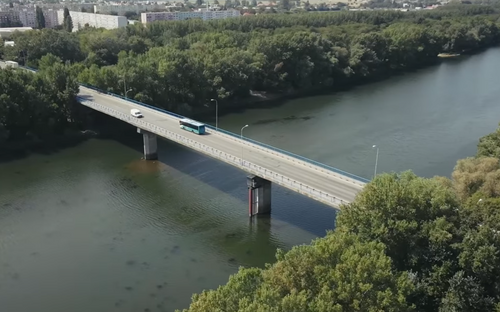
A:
{"points": [[216, 114], [125, 91], [376, 161], [241, 137]]}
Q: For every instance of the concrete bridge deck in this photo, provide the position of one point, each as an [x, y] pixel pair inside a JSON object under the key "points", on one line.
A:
{"points": [[313, 181]]}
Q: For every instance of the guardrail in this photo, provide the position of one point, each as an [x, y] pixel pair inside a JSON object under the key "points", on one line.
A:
{"points": [[255, 144], [265, 173]]}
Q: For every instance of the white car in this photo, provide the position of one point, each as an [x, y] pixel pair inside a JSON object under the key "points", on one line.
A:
{"points": [[136, 113]]}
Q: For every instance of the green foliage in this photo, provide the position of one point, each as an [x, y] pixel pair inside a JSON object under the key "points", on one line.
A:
{"points": [[179, 65], [67, 21], [33, 45], [473, 175], [489, 145], [416, 219], [2, 48], [40, 19], [335, 274], [228, 62], [36, 105]]}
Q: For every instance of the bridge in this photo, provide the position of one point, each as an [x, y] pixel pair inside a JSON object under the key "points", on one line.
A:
{"points": [[264, 163]]}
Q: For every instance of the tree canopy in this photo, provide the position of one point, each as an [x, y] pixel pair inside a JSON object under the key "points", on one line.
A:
{"points": [[40, 19], [336, 273], [36, 105], [178, 65], [489, 145], [405, 244]]}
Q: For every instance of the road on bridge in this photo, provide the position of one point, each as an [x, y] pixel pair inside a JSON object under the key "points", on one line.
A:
{"points": [[329, 182]]}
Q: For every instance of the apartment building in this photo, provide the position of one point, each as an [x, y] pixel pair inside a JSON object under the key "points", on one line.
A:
{"points": [[8, 18], [51, 18], [81, 19], [150, 17], [208, 15], [78, 7], [27, 17], [122, 9]]}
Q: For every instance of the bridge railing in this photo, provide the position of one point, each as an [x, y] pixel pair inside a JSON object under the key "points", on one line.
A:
{"points": [[277, 151], [265, 173]]}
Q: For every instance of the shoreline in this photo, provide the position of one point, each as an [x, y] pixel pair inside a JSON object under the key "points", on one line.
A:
{"points": [[258, 100], [15, 150], [263, 99]]}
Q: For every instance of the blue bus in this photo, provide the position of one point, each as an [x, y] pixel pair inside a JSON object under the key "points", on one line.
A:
{"points": [[193, 126]]}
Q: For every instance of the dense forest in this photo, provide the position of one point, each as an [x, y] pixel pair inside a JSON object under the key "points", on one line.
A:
{"points": [[37, 106], [405, 244], [181, 65]]}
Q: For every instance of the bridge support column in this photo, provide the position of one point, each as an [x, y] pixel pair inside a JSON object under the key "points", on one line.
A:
{"points": [[150, 144], [259, 195]]}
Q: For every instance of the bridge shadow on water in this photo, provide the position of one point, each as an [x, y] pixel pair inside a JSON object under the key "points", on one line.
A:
{"points": [[287, 206]]}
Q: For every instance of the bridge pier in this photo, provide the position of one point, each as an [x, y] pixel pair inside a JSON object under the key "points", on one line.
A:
{"points": [[259, 195], [150, 144]]}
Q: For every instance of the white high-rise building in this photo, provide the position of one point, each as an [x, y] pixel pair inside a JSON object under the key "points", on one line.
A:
{"points": [[149, 17], [27, 17], [81, 19]]}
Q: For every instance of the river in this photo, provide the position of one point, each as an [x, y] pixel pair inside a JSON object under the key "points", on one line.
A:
{"points": [[94, 228]]}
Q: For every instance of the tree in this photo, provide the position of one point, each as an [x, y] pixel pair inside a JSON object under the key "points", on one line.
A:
{"points": [[336, 273], [285, 5], [2, 47], [36, 105], [293, 53], [489, 145], [253, 3], [417, 220], [67, 21], [472, 175], [32, 45], [40, 19], [64, 86], [104, 46]]}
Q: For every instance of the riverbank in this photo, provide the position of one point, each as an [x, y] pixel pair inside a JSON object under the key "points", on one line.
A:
{"points": [[263, 99], [189, 63], [51, 144]]}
